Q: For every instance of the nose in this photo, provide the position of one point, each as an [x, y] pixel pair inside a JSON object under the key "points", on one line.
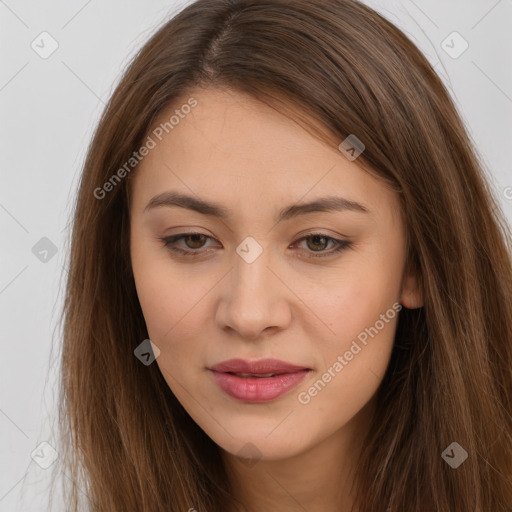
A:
{"points": [[254, 300]]}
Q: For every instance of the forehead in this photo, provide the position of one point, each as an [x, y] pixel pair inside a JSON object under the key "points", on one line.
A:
{"points": [[240, 150]]}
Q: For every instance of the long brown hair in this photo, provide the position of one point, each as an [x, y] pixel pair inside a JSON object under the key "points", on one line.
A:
{"points": [[127, 443]]}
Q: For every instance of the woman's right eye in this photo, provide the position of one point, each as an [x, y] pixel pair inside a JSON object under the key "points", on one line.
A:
{"points": [[193, 241]]}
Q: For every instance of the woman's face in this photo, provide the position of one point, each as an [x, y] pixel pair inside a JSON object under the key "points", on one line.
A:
{"points": [[262, 277]]}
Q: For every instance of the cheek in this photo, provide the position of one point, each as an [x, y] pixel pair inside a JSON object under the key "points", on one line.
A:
{"points": [[155, 294], [171, 320], [168, 296], [358, 308], [352, 367], [354, 301], [154, 300]]}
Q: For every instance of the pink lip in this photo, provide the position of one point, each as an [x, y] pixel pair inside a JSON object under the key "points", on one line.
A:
{"points": [[257, 389], [256, 367]]}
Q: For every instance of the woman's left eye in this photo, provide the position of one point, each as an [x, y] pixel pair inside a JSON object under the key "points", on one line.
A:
{"points": [[196, 241], [318, 239]]}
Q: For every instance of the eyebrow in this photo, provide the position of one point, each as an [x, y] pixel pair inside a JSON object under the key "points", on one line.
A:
{"points": [[321, 204]]}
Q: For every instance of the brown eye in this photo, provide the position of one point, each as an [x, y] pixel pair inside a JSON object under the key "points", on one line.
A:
{"points": [[317, 245], [318, 242], [189, 244], [194, 240]]}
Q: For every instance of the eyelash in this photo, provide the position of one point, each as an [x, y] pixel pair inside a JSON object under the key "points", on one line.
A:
{"points": [[340, 244]]}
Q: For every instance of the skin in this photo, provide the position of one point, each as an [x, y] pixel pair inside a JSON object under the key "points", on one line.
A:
{"points": [[287, 304]]}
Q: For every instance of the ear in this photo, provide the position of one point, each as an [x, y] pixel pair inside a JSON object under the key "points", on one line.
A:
{"points": [[411, 296]]}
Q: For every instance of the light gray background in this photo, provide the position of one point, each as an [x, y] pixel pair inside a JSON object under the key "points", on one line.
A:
{"points": [[48, 109]]}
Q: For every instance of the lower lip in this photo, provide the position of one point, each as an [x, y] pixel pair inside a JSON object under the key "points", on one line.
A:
{"points": [[256, 389]]}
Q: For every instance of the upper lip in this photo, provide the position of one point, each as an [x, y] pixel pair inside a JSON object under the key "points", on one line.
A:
{"points": [[256, 367]]}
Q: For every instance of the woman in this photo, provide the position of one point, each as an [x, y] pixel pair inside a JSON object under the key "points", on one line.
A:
{"points": [[290, 286]]}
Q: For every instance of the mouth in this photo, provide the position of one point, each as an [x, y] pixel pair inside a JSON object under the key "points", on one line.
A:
{"points": [[254, 375], [258, 381]]}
